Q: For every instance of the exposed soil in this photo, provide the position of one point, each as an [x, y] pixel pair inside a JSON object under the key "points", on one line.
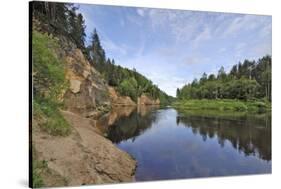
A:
{"points": [[83, 157]]}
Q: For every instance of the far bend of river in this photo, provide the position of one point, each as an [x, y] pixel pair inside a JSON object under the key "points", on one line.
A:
{"points": [[169, 144]]}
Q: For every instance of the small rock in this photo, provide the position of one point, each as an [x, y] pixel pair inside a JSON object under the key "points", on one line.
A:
{"points": [[75, 85], [85, 74], [93, 114]]}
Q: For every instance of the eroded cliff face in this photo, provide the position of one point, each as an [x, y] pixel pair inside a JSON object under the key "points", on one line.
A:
{"points": [[118, 100], [87, 92], [145, 100], [85, 156]]}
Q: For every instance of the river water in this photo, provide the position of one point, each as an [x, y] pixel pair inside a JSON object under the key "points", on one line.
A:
{"points": [[172, 144]]}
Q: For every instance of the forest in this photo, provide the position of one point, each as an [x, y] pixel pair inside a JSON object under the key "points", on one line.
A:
{"points": [[63, 20], [249, 80]]}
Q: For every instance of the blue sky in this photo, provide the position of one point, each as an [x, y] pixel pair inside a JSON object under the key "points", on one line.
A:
{"points": [[172, 47]]}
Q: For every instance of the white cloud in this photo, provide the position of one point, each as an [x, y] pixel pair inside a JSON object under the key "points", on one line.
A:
{"points": [[234, 25], [198, 27], [266, 31], [166, 82], [110, 45], [203, 36]]}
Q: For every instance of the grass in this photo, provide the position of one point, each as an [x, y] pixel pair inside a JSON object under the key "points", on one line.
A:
{"points": [[38, 167], [50, 118], [48, 84], [224, 105]]}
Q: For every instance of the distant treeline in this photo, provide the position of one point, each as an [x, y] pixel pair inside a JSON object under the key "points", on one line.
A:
{"points": [[61, 19], [245, 81]]}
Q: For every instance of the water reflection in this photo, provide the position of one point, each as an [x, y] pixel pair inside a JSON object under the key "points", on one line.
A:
{"points": [[249, 134], [170, 144], [124, 123]]}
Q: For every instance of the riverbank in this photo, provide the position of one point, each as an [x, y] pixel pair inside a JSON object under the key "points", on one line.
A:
{"points": [[228, 105], [85, 156]]}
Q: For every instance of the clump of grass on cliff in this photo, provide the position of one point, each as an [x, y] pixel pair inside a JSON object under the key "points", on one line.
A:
{"points": [[48, 84]]}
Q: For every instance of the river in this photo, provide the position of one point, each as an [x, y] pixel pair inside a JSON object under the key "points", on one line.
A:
{"points": [[172, 144]]}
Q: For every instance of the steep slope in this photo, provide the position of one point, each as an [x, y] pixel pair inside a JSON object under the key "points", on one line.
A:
{"points": [[78, 153]]}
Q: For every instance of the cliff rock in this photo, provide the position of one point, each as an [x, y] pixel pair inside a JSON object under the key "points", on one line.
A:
{"points": [[87, 91], [118, 100], [145, 100]]}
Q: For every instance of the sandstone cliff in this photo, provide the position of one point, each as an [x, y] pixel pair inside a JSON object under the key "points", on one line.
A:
{"points": [[84, 156], [87, 90], [145, 100], [118, 100]]}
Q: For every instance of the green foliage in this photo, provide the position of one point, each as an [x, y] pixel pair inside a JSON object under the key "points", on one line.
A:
{"points": [[48, 83], [51, 119], [37, 169], [246, 81], [97, 53], [223, 105], [128, 87], [61, 19], [48, 72]]}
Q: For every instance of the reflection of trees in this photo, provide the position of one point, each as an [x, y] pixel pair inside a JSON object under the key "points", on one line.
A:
{"points": [[248, 134], [132, 125]]}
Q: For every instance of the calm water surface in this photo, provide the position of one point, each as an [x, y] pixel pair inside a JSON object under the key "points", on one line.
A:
{"points": [[169, 144]]}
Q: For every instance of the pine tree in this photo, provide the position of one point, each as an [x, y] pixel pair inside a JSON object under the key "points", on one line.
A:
{"points": [[97, 52]]}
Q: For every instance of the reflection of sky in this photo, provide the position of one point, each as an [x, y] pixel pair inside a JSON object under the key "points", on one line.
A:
{"points": [[171, 47], [168, 151]]}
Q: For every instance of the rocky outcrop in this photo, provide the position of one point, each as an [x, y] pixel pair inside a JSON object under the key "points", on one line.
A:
{"points": [[118, 100], [145, 100], [87, 91], [84, 157]]}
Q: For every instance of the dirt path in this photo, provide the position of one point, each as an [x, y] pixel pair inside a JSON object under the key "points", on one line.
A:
{"points": [[85, 156]]}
